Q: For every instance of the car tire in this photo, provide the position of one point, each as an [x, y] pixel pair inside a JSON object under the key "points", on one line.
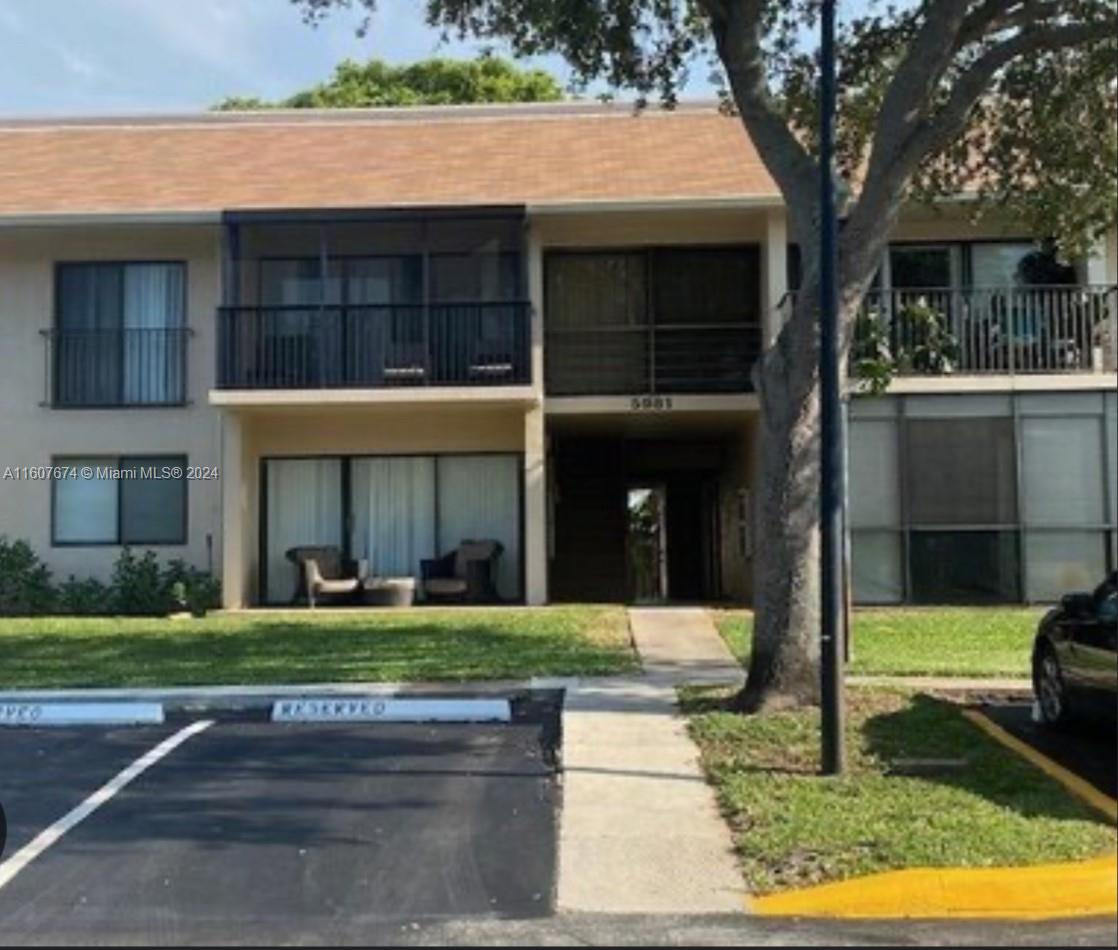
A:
{"points": [[1051, 692]]}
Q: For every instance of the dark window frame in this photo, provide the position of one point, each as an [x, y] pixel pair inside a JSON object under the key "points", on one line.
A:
{"points": [[58, 329], [123, 461]]}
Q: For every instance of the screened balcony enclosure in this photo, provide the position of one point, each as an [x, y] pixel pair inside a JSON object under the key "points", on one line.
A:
{"points": [[670, 320], [374, 300]]}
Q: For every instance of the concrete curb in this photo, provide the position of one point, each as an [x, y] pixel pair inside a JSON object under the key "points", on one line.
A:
{"points": [[1042, 892], [37, 715], [219, 698]]}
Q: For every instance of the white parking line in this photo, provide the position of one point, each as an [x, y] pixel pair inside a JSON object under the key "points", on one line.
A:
{"points": [[30, 851]]}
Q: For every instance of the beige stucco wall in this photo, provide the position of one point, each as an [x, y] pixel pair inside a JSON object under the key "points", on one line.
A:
{"points": [[952, 222], [615, 228], [31, 433]]}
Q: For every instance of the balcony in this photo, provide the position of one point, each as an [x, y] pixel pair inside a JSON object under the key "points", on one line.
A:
{"points": [[115, 367], [374, 346], [656, 359], [652, 320], [990, 330]]}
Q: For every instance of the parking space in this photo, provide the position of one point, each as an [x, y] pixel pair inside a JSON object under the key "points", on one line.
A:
{"points": [[1085, 749], [253, 832], [45, 773]]}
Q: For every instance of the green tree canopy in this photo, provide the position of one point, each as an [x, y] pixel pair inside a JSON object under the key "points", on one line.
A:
{"points": [[435, 81]]}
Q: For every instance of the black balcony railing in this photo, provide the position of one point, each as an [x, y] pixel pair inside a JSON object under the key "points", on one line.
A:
{"points": [[662, 358], [990, 330], [116, 367], [301, 347]]}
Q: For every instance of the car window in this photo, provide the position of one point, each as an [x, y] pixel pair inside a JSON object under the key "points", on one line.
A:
{"points": [[1108, 609]]}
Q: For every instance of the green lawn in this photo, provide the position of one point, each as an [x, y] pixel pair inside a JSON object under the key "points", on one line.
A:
{"points": [[793, 828], [290, 647], [922, 641]]}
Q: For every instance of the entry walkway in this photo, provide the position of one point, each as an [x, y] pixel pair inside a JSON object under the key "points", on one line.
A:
{"points": [[640, 831]]}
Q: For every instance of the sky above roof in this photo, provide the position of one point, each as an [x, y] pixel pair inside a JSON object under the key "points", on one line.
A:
{"points": [[84, 57]]}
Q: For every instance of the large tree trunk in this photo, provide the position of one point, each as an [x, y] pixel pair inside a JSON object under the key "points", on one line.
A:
{"points": [[784, 668]]}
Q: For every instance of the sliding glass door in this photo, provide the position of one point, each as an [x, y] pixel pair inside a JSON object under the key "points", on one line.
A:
{"points": [[392, 511], [304, 507], [479, 500], [393, 520]]}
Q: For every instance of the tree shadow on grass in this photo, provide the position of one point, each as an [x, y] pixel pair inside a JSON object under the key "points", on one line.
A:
{"points": [[163, 653], [929, 739]]}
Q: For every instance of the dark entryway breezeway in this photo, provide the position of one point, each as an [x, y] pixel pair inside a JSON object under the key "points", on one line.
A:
{"points": [[646, 517]]}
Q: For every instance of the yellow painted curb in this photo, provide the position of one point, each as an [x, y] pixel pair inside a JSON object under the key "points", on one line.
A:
{"points": [[1081, 789], [1074, 889]]}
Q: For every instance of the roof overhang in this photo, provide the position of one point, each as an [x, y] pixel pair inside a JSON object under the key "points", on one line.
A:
{"points": [[78, 218], [737, 203]]}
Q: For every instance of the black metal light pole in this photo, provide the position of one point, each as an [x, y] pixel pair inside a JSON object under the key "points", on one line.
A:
{"points": [[832, 613]]}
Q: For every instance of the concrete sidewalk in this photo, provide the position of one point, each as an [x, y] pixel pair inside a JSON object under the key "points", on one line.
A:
{"points": [[640, 830]]}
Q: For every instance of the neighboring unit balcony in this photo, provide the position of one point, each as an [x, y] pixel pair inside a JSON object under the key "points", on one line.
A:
{"points": [[989, 331], [374, 346], [115, 367]]}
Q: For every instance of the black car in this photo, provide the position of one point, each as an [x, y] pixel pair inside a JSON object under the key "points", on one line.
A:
{"points": [[1075, 657]]}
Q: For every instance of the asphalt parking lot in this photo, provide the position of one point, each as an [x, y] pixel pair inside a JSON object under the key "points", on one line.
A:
{"points": [[252, 832], [1084, 748]]}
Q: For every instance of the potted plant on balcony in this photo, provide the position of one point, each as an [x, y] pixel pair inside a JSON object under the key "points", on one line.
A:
{"points": [[915, 342]]}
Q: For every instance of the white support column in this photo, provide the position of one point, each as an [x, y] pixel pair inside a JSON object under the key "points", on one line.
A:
{"points": [[535, 297], [775, 273], [535, 507], [232, 512], [535, 441]]}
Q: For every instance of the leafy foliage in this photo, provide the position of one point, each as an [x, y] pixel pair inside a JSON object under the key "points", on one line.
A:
{"points": [[916, 342], [25, 586], [186, 587], [139, 586], [88, 597], [428, 82]]}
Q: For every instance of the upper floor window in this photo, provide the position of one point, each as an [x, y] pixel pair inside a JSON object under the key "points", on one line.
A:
{"points": [[120, 335], [924, 266]]}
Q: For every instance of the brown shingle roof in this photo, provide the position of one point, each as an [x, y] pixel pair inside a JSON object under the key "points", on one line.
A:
{"points": [[374, 158]]}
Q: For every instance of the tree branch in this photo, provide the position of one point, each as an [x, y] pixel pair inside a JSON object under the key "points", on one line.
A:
{"points": [[737, 28], [921, 69], [997, 16], [950, 120], [884, 186]]}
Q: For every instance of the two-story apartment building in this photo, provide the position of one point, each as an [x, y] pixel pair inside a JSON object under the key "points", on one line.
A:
{"points": [[394, 330]]}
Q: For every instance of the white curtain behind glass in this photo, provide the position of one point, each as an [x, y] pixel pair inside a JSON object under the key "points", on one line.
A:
{"points": [[393, 514], [479, 499], [304, 507], [153, 304]]}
